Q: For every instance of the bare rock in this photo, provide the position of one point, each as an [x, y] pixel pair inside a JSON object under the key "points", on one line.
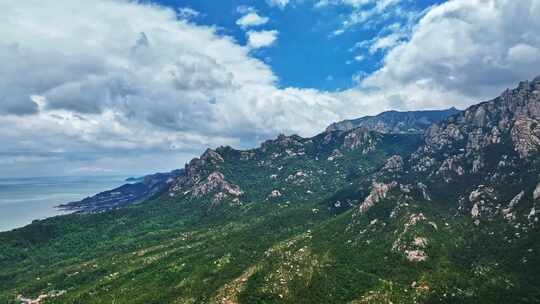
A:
{"points": [[393, 164], [282, 141], [335, 155], [378, 192], [420, 242], [536, 193], [211, 156], [216, 182], [532, 213], [424, 189], [475, 211], [416, 255], [275, 193], [516, 199], [526, 135], [450, 165], [481, 194], [359, 137]]}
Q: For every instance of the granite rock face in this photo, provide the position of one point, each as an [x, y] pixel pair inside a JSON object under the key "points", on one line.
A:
{"points": [[378, 192], [484, 161], [196, 170], [202, 177], [514, 115], [393, 164], [359, 138]]}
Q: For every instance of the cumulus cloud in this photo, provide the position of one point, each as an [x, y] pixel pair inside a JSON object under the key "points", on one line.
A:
{"points": [[251, 19], [83, 87], [463, 51], [260, 39], [155, 84], [78, 81]]}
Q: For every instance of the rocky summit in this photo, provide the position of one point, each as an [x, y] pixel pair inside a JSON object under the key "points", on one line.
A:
{"points": [[416, 207]]}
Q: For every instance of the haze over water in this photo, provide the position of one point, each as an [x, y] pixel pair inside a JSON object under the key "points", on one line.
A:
{"points": [[23, 200]]}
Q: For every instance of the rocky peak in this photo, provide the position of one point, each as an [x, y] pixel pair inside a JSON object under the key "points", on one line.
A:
{"points": [[359, 138], [211, 156], [516, 113], [216, 183], [483, 160], [202, 177], [282, 141]]}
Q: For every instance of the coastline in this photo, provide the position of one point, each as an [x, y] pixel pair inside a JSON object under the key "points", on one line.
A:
{"points": [[24, 200]]}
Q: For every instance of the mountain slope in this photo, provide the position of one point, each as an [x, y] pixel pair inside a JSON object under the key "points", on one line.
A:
{"points": [[482, 167], [344, 217], [395, 121], [222, 215], [489, 150], [124, 195]]}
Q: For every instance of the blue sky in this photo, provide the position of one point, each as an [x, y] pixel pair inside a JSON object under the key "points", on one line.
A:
{"points": [[307, 53], [133, 87]]}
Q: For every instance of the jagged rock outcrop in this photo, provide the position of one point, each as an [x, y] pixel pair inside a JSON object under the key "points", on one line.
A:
{"points": [[415, 249], [378, 192], [359, 138], [486, 141], [215, 182], [393, 164], [196, 170], [515, 114], [282, 141], [508, 211], [476, 159], [536, 193], [202, 177]]}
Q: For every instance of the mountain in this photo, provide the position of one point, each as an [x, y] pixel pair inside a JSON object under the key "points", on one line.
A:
{"points": [[137, 191], [395, 121], [356, 216]]}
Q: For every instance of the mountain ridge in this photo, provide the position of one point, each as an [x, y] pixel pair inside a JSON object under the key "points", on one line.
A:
{"points": [[356, 216], [137, 190], [395, 121]]}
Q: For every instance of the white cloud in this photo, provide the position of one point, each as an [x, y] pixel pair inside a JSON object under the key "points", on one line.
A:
{"points": [[260, 39], [155, 85], [367, 12], [187, 13], [463, 51], [359, 58], [523, 53], [385, 42], [158, 89], [279, 3], [251, 19]]}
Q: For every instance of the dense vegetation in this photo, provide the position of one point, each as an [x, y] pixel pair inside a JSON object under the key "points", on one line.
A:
{"points": [[438, 229], [165, 252]]}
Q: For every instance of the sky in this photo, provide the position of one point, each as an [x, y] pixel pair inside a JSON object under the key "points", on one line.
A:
{"points": [[118, 87]]}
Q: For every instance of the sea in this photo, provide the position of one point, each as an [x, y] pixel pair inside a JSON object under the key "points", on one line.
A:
{"points": [[23, 200]]}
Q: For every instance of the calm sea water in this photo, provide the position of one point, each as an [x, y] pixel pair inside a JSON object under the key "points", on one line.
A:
{"points": [[23, 200]]}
